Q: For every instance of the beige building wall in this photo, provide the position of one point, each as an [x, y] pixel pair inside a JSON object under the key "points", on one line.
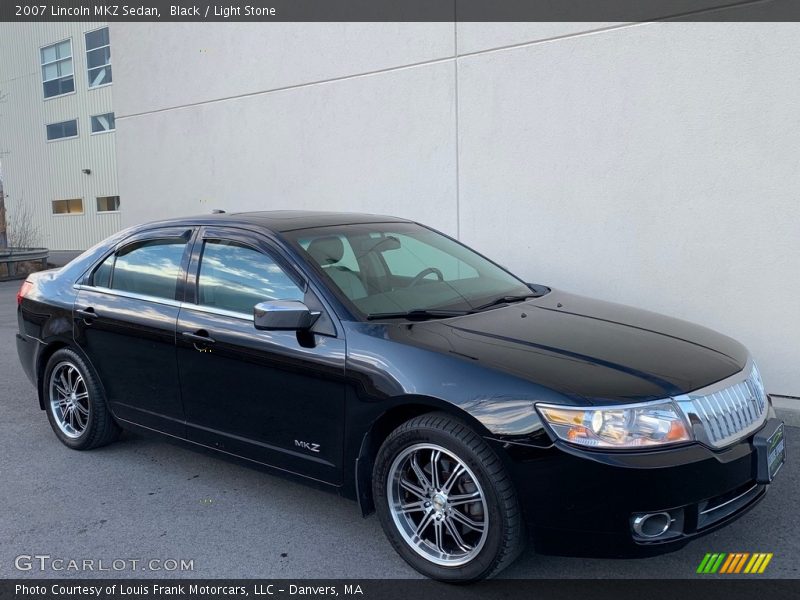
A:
{"points": [[653, 164], [36, 171]]}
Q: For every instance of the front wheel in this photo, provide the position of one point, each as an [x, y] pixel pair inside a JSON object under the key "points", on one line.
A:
{"points": [[445, 500]]}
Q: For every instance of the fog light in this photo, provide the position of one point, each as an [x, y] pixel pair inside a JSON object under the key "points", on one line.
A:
{"points": [[657, 525], [652, 525]]}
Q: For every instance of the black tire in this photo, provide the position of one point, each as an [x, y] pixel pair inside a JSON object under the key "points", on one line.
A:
{"points": [[504, 538], [99, 427]]}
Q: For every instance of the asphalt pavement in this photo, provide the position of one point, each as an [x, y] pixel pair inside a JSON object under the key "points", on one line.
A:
{"points": [[145, 499]]}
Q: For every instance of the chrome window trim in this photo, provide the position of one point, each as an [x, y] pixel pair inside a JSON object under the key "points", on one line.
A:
{"points": [[164, 301], [126, 294], [729, 420], [216, 311], [174, 303], [293, 273]]}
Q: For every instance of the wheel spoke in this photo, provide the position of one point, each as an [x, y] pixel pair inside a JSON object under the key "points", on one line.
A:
{"points": [[423, 481], [435, 469], [423, 524], [79, 420], [412, 507], [65, 382], [453, 531], [410, 487], [438, 531], [459, 499], [82, 396], [60, 389], [465, 520], [74, 378], [82, 410], [457, 472]]}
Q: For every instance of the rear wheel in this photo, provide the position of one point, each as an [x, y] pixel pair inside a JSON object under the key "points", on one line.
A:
{"points": [[75, 403], [445, 501]]}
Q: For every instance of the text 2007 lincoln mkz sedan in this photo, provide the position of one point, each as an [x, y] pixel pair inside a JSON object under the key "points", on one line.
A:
{"points": [[385, 360]]}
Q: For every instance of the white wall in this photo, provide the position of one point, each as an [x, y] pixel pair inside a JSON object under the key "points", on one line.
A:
{"points": [[35, 171], [654, 164]]}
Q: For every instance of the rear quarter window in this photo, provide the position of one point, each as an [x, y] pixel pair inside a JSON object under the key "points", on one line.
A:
{"points": [[102, 274]]}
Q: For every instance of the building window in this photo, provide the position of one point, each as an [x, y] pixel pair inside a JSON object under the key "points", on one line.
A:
{"points": [[98, 57], [103, 123], [107, 203], [57, 73], [73, 206], [65, 129]]}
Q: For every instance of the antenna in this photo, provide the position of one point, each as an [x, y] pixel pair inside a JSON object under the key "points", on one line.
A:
{"points": [[217, 211]]}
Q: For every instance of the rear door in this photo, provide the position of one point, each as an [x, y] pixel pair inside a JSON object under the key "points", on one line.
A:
{"points": [[125, 316], [276, 397]]}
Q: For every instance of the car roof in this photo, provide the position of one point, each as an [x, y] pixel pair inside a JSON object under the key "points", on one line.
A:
{"points": [[283, 220]]}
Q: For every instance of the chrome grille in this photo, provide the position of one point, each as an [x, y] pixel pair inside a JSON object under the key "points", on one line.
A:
{"points": [[728, 410]]}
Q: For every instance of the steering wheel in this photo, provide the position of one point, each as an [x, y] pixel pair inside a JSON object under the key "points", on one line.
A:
{"points": [[424, 273]]}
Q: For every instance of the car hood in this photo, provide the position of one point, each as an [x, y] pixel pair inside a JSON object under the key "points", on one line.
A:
{"points": [[591, 350]]}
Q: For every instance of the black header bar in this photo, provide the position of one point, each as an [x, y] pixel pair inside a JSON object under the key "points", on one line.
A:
{"points": [[400, 10]]}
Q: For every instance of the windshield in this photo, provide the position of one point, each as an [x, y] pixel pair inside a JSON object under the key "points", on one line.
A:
{"points": [[389, 268]]}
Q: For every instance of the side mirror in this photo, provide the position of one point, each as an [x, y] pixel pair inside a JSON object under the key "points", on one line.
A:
{"points": [[283, 315]]}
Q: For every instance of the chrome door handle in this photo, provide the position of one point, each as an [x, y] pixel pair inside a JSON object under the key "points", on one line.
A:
{"points": [[197, 338]]}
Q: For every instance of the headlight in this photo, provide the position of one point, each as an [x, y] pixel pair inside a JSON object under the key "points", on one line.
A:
{"points": [[652, 424]]}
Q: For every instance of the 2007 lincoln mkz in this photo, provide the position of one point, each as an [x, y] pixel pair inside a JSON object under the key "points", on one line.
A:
{"points": [[378, 357]]}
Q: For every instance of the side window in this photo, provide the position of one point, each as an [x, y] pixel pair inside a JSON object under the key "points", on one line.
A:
{"points": [[150, 267], [236, 277], [102, 274], [414, 256]]}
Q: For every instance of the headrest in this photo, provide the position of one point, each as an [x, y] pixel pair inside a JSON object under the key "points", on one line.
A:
{"points": [[326, 250]]}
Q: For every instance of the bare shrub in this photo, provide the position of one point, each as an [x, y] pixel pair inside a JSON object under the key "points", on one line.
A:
{"points": [[21, 228]]}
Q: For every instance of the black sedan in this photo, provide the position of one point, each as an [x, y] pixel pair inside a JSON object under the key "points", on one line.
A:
{"points": [[382, 359]]}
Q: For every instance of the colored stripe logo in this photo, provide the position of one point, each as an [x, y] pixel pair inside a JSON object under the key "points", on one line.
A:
{"points": [[734, 562]]}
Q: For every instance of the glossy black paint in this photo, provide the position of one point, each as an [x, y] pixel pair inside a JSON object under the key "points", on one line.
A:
{"points": [[345, 384]]}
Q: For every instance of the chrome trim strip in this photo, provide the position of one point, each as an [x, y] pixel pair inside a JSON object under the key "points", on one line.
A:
{"points": [[164, 301], [724, 504], [131, 295], [728, 410], [216, 311]]}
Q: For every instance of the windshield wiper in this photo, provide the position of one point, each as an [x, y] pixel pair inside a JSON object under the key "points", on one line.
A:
{"points": [[418, 314], [504, 300]]}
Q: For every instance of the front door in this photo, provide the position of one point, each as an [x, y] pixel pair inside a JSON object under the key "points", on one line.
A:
{"points": [[276, 397]]}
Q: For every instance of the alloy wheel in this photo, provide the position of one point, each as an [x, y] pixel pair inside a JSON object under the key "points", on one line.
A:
{"points": [[69, 399], [437, 504]]}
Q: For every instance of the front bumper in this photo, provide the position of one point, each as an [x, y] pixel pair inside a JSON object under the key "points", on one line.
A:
{"points": [[583, 502]]}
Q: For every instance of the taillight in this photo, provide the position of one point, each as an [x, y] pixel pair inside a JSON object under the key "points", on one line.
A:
{"points": [[26, 287]]}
